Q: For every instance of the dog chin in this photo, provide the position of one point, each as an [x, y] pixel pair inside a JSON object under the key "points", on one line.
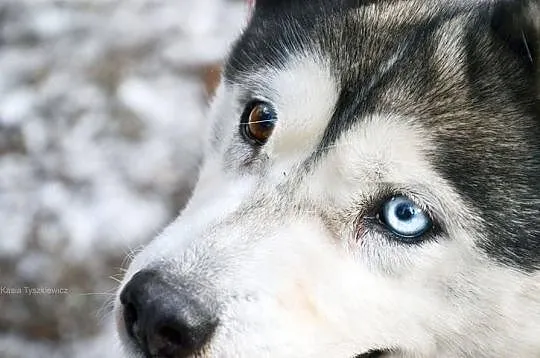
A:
{"points": [[130, 351]]}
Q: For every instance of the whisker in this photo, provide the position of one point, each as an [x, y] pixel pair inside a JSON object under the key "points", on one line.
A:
{"points": [[117, 280], [529, 54], [96, 294]]}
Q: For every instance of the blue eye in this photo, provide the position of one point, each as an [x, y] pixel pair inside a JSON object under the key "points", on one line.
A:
{"points": [[404, 218]]}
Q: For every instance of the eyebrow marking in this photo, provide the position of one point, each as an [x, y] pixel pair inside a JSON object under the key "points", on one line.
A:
{"points": [[350, 103]]}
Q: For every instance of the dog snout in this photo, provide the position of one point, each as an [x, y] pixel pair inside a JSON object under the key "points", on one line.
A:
{"points": [[163, 320]]}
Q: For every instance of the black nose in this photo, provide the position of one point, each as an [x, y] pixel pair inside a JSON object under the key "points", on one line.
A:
{"points": [[162, 320]]}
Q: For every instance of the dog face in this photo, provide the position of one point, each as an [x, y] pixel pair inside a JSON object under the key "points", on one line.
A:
{"points": [[371, 187]]}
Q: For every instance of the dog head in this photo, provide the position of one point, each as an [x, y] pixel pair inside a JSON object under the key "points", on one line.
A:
{"points": [[370, 186]]}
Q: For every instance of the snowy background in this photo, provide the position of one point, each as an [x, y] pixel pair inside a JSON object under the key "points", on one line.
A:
{"points": [[101, 105]]}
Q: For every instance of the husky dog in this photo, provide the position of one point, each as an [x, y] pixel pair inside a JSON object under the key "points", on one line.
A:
{"points": [[370, 188]]}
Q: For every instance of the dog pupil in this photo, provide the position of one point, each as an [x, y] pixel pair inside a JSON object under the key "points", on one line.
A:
{"points": [[266, 118], [405, 212]]}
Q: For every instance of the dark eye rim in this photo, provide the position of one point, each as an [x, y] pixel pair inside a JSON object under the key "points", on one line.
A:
{"points": [[244, 121]]}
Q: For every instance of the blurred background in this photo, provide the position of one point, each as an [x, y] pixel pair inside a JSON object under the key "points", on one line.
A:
{"points": [[101, 108]]}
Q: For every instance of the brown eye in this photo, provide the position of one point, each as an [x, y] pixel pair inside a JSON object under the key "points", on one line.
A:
{"points": [[258, 122]]}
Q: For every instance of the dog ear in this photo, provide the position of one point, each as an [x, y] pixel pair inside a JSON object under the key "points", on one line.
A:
{"points": [[259, 5], [268, 3], [517, 23]]}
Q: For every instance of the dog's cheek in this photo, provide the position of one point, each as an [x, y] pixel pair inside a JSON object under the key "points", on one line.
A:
{"points": [[299, 284]]}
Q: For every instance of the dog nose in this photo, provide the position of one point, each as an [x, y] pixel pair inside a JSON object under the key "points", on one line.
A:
{"points": [[164, 321]]}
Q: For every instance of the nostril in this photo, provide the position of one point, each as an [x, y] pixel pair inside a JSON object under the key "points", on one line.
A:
{"points": [[170, 341], [174, 337], [178, 338], [130, 318]]}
